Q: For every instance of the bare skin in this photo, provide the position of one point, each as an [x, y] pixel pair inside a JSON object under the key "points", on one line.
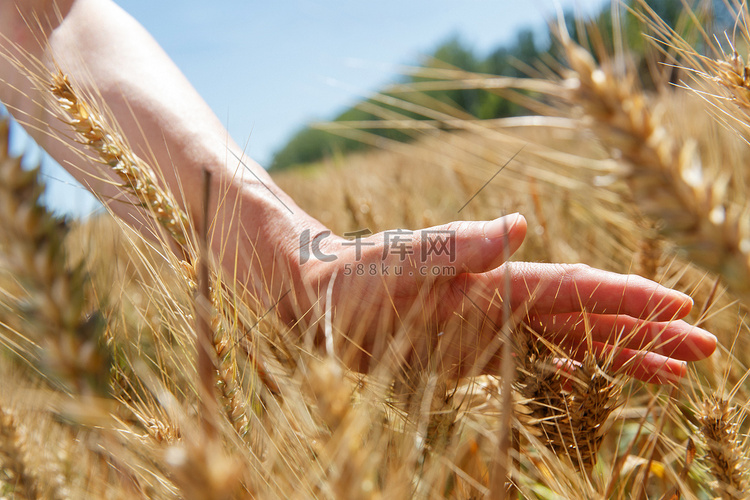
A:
{"points": [[258, 230]]}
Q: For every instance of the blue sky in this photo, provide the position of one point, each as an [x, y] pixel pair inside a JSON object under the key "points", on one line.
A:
{"points": [[266, 68]]}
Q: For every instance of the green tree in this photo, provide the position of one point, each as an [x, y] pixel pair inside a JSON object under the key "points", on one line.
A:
{"points": [[311, 145]]}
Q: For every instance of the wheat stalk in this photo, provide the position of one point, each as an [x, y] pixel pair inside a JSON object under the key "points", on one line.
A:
{"points": [[139, 179]]}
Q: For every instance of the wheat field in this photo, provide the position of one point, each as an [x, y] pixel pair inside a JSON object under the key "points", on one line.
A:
{"points": [[121, 381]]}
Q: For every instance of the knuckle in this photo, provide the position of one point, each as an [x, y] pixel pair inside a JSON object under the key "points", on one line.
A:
{"points": [[457, 227], [573, 270]]}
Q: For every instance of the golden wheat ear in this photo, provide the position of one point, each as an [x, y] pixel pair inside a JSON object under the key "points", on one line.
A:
{"points": [[13, 458], [57, 328], [107, 146], [92, 130], [720, 422], [566, 407], [697, 204]]}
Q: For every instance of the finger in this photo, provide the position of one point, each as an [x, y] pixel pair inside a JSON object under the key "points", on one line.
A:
{"points": [[643, 365], [676, 339], [567, 288], [467, 247]]}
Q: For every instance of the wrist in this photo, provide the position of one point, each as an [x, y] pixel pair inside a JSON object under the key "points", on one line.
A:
{"points": [[262, 237]]}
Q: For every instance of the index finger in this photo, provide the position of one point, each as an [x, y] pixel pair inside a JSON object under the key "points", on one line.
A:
{"points": [[568, 288]]}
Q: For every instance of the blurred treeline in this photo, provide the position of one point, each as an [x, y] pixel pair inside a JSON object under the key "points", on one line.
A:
{"points": [[531, 52]]}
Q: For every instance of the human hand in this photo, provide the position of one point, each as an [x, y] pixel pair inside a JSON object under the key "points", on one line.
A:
{"points": [[449, 305]]}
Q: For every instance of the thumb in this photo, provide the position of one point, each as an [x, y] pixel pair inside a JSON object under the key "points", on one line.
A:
{"points": [[469, 247]]}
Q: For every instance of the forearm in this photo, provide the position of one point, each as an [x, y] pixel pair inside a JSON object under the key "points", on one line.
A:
{"points": [[165, 120]]}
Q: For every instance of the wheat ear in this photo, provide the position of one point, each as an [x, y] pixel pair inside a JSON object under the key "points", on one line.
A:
{"points": [[71, 341], [541, 390], [232, 397], [140, 180], [570, 421], [93, 131], [13, 458], [723, 76], [595, 394], [667, 178], [719, 425]]}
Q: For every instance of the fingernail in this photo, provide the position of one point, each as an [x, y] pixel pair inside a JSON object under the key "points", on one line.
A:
{"points": [[499, 228], [671, 376], [711, 342], [686, 297], [687, 301]]}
